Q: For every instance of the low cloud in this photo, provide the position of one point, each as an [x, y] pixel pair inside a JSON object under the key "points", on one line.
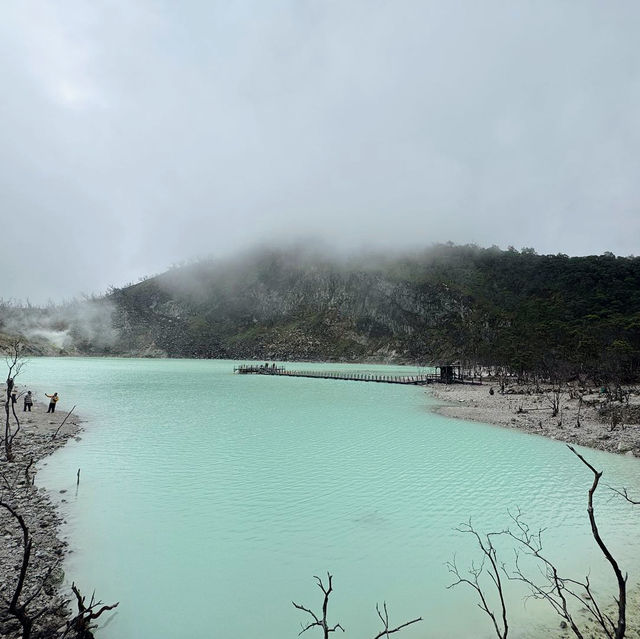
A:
{"points": [[141, 134]]}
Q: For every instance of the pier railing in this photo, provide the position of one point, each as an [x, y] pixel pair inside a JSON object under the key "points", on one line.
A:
{"points": [[428, 378]]}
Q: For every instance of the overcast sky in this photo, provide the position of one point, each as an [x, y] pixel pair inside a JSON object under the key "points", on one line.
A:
{"points": [[136, 134]]}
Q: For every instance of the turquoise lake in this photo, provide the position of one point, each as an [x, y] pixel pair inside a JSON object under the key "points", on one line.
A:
{"points": [[208, 500]]}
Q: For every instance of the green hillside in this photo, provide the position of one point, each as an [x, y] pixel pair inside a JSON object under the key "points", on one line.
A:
{"points": [[538, 313]]}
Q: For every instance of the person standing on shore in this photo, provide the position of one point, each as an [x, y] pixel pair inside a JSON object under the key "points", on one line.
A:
{"points": [[28, 401], [52, 403]]}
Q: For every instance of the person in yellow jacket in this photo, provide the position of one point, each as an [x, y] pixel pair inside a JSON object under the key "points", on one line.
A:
{"points": [[52, 403]]}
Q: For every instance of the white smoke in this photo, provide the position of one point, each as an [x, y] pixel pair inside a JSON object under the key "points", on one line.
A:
{"points": [[79, 323], [60, 339]]}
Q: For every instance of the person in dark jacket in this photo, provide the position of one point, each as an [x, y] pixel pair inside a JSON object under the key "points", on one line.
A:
{"points": [[28, 401]]}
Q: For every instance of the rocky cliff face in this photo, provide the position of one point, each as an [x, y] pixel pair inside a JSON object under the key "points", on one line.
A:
{"points": [[283, 310]]}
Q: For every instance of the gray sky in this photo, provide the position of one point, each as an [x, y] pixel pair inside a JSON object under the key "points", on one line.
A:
{"points": [[136, 134]]}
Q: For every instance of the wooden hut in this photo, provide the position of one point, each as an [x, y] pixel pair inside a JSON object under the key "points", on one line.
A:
{"points": [[450, 373]]}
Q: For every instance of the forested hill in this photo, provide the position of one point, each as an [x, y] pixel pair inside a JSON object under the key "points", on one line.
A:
{"points": [[537, 313], [520, 309]]}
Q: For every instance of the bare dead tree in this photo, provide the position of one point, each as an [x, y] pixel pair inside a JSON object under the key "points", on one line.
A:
{"points": [[616, 405], [580, 402], [620, 393], [10, 434], [618, 629], [320, 621], [15, 362], [554, 397], [563, 594], [16, 605], [8, 482], [28, 478], [560, 591], [19, 604], [617, 417], [384, 617], [557, 591], [503, 375], [82, 624], [488, 566]]}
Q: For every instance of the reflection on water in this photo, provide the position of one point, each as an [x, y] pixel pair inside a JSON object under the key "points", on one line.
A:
{"points": [[208, 500]]}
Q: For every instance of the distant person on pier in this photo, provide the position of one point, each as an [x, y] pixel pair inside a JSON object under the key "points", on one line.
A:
{"points": [[14, 396], [52, 403], [28, 401]]}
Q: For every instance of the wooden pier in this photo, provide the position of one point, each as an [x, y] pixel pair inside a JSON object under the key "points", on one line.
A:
{"points": [[442, 377]]}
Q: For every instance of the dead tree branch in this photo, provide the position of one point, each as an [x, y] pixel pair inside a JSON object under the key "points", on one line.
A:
{"points": [[560, 592], [625, 495], [63, 422], [556, 590], [17, 609], [493, 570], [563, 594], [15, 362], [82, 624], [553, 398], [29, 480], [620, 627], [384, 617], [320, 621], [9, 484]]}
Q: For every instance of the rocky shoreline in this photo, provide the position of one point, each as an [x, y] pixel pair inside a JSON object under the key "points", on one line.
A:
{"points": [[34, 442], [584, 417]]}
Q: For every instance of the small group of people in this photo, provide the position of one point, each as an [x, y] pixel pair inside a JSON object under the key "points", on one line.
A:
{"points": [[28, 400]]}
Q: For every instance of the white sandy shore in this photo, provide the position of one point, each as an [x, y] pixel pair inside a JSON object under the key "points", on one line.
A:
{"points": [[523, 409]]}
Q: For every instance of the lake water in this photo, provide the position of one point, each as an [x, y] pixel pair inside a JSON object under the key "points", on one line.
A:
{"points": [[208, 500]]}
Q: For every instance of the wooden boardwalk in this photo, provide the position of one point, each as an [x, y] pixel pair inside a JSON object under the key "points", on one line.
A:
{"points": [[416, 380]]}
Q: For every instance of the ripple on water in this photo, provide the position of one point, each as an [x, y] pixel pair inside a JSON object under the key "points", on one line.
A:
{"points": [[247, 486]]}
